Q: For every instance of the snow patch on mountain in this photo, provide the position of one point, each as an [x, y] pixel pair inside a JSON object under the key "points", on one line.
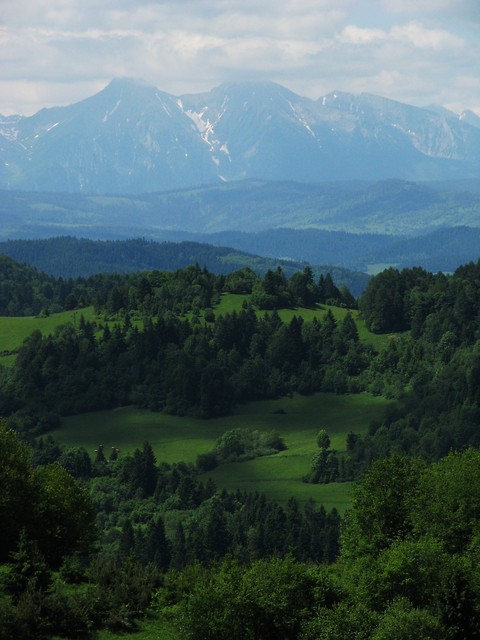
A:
{"points": [[111, 112], [301, 119], [207, 129]]}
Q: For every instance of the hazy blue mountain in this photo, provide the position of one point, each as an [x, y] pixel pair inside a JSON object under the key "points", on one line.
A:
{"points": [[441, 250], [132, 138], [470, 118]]}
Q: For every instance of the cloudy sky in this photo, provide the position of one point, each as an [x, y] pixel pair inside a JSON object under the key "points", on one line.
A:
{"points": [[55, 52]]}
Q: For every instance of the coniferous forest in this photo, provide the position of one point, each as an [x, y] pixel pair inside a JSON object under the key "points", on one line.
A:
{"points": [[94, 542]]}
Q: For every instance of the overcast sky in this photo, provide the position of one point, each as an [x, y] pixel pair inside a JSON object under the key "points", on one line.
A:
{"points": [[55, 52]]}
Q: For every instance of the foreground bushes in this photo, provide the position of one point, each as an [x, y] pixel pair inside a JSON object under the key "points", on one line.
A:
{"points": [[408, 568]]}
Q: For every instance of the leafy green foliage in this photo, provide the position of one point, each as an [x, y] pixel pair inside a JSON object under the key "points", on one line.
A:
{"points": [[16, 491], [381, 506], [323, 439], [45, 502], [264, 600], [27, 570], [244, 444], [409, 545]]}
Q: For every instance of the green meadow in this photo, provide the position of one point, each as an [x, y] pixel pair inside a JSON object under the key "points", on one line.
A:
{"points": [[230, 302], [297, 419], [175, 439], [150, 628], [13, 330]]}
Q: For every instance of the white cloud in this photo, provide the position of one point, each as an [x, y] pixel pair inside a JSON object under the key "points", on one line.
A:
{"points": [[59, 51], [361, 36], [424, 38], [413, 33], [443, 9]]}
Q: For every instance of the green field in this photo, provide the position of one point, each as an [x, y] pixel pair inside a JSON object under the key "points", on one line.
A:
{"points": [[233, 302], [149, 629], [13, 331], [297, 419], [279, 477]]}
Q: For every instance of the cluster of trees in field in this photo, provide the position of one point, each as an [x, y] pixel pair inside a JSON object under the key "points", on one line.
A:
{"points": [[238, 445], [194, 289]]}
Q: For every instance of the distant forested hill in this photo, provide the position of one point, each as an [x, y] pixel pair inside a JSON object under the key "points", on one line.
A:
{"points": [[439, 250], [69, 257], [353, 225]]}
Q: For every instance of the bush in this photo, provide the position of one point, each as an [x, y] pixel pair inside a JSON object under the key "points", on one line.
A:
{"points": [[206, 461], [244, 444]]}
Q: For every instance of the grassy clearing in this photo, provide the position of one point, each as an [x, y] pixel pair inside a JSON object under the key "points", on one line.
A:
{"points": [[297, 419], [13, 331], [233, 302], [149, 629]]}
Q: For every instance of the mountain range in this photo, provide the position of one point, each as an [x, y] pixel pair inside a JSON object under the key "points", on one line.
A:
{"points": [[132, 138]]}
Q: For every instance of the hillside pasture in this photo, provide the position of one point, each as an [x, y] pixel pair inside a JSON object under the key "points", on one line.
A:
{"points": [[230, 302], [297, 419], [14, 330]]}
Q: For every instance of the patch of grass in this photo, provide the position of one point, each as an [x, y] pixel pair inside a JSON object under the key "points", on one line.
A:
{"points": [[297, 419], [151, 628], [279, 478], [13, 330], [230, 302]]}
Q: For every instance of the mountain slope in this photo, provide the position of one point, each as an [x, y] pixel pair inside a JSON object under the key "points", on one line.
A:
{"points": [[133, 138]]}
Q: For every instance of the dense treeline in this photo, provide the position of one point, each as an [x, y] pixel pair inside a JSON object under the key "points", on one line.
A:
{"points": [[180, 366], [408, 568], [68, 257], [24, 291], [433, 369], [61, 575]]}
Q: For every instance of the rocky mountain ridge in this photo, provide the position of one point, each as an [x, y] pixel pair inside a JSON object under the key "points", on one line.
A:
{"points": [[133, 138]]}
